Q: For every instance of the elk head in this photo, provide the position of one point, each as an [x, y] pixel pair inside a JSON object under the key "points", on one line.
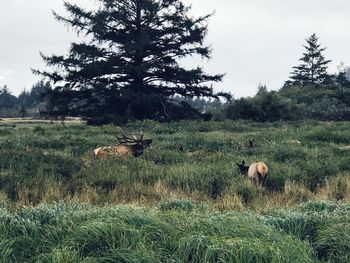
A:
{"points": [[243, 168], [132, 145], [127, 146]]}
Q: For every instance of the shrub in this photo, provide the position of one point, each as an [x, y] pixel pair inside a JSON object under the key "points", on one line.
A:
{"points": [[266, 106], [243, 109], [328, 109]]}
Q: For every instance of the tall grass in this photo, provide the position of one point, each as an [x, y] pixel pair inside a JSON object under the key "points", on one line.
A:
{"points": [[80, 233], [194, 206], [325, 225], [50, 162], [175, 231]]}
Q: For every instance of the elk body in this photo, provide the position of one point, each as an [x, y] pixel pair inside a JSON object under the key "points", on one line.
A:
{"points": [[257, 171], [127, 146]]}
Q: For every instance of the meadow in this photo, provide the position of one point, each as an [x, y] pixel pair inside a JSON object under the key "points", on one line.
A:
{"points": [[58, 201]]}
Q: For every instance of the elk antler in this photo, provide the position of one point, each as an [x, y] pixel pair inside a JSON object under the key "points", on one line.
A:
{"points": [[125, 139], [132, 139]]}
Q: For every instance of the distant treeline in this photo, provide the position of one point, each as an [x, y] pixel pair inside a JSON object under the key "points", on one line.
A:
{"points": [[309, 93], [293, 103], [120, 75], [26, 104], [327, 102]]}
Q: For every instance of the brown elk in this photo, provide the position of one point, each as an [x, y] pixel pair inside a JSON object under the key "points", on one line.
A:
{"points": [[127, 146], [257, 172]]}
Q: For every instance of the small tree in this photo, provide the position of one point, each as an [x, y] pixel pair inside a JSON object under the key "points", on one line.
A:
{"points": [[24, 99], [313, 69], [7, 100], [130, 62]]}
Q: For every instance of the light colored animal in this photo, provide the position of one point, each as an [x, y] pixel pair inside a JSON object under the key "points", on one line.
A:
{"points": [[257, 171], [127, 147]]}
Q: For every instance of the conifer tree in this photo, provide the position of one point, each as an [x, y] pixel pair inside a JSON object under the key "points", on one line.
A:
{"points": [[313, 67], [130, 60]]}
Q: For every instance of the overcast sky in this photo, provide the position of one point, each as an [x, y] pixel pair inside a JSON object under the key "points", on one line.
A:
{"points": [[254, 41]]}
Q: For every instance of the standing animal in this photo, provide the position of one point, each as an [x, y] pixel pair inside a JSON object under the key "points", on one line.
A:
{"points": [[251, 144], [127, 146], [257, 171]]}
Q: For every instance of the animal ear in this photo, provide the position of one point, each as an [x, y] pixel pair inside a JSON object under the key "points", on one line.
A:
{"points": [[238, 164], [243, 162]]}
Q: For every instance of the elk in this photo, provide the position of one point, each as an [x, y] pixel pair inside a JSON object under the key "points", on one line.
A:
{"points": [[257, 171], [251, 144], [127, 146]]}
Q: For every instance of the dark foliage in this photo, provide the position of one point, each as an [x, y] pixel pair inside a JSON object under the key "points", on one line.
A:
{"points": [[28, 103], [7, 100], [128, 68], [265, 106]]}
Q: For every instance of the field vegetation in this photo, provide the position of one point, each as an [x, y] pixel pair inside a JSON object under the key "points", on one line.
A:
{"points": [[59, 202], [53, 162], [174, 231]]}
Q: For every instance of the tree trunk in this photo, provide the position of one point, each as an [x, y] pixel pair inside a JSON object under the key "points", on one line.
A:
{"points": [[139, 51]]}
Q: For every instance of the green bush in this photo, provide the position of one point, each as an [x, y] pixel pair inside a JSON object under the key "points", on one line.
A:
{"points": [[328, 109], [266, 106]]}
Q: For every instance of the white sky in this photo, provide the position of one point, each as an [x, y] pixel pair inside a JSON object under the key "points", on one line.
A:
{"points": [[254, 41]]}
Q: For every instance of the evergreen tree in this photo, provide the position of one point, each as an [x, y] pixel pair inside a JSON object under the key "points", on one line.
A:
{"points": [[7, 100], [340, 77], [130, 62], [24, 99], [36, 96], [313, 69]]}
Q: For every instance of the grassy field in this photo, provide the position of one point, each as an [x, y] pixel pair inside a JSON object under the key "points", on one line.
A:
{"points": [[170, 206], [50, 162], [174, 231]]}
